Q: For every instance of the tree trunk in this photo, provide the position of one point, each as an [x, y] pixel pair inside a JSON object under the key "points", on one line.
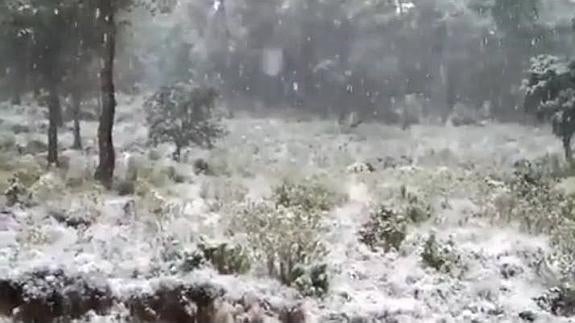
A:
{"points": [[105, 170], [53, 106], [567, 148], [177, 154], [76, 102]]}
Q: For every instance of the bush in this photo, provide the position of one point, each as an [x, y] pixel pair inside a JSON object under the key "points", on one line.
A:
{"points": [[225, 257], [15, 193], [287, 238], [183, 114], [440, 256], [558, 301], [385, 229], [310, 195], [48, 187], [311, 281], [414, 208]]}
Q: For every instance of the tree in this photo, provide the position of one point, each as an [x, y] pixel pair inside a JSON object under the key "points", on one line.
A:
{"points": [[107, 155], [38, 27], [562, 112], [183, 114], [550, 94]]}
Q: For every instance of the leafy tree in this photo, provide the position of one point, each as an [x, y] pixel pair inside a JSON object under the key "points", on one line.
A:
{"points": [[183, 114], [550, 94], [562, 112]]}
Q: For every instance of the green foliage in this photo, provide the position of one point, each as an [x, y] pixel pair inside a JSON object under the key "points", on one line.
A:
{"points": [[550, 93], [310, 195], [414, 207], [440, 256], [183, 114], [15, 192], [311, 281], [385, 229], [562, 111], [285, 238], [536, 203], [226, 258]]}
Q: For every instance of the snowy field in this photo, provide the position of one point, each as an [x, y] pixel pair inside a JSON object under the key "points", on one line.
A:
{"points": [[122, 244]]}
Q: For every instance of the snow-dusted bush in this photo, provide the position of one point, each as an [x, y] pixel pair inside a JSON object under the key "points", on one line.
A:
{"points": [[385, 229], [312, 280], [441, 256], [183, 114], [16, 192], [536, 203], [414, 207], [285, 237], [49, 187], [226, 258], [310, 195], [558, 300]]}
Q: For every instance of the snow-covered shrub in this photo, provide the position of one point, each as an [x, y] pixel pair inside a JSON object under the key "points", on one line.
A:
{"points": [[227, 258], [49, 187], [28, 170], [414, 207], [312, 280], [441, 255], [183, 114], [360, 168], [33, 235], [284, 237], [558, 301], [385, 229], [15, 193], [309, 194], [536, 202], [201, 167]]}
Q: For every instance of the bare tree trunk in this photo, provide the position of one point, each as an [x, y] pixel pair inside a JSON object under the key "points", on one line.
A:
{"points": [[53, 106], [567, 148], [76, 102], [105, 170], [177, 154]]}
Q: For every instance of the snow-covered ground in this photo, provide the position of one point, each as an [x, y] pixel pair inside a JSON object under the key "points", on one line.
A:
{"points": [[121, 248]]}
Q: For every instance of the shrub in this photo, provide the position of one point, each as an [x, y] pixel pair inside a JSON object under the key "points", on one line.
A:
{"points": [[285, 237], [225, 257], [310, 195], [559, 301], [311, 281], [385, 229], [48, 187], [441, 256], [15, 193], [537, 205], [183, 114], [414, 207]]}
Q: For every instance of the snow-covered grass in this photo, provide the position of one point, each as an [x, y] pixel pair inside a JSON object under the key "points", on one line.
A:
{"points": [[454, 175]]}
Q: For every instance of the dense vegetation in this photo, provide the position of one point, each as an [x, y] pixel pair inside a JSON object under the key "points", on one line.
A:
{"points": [[301, 149]]}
